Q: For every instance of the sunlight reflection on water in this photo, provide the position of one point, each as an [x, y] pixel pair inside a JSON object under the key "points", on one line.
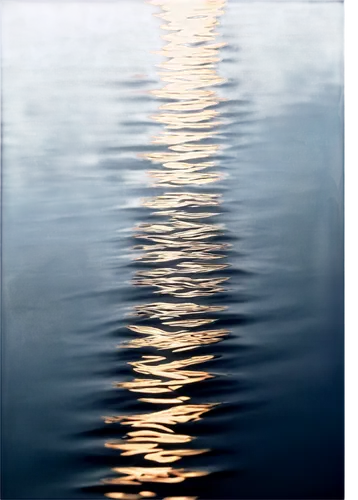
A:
{"points": [[181, 238]]}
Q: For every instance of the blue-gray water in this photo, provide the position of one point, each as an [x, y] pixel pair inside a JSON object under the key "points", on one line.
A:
{"points": [[80, 84]]}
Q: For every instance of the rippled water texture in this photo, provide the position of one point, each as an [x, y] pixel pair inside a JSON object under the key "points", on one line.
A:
{"points": [[172, 254]]}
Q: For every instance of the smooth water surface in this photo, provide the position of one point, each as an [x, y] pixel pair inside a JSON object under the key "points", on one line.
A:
{"points": [[172, 250]]}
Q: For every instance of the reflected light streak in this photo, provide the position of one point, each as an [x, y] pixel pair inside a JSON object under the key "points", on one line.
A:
{"points": [[169, 310], [187, 239], [138, 475]]}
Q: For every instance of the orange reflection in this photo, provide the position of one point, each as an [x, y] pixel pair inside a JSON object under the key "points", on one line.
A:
{"points": [[131, 496], [183, 254], [139, 475]]}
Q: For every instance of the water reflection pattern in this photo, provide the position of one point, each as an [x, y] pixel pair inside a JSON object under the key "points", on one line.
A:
{"points": [[181, 255]]}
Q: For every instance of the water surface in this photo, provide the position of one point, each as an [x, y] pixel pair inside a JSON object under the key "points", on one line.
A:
{"points": [[172, 256]]}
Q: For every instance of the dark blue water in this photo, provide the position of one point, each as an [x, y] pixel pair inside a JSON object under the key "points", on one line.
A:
{"points": [[90, 98]]}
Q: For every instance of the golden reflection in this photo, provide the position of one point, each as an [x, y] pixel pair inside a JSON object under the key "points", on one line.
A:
{"points": [[178, 341], [171, 310], [180, 498], [183, 259], [170, 375], [139, 475], [131, 496]]}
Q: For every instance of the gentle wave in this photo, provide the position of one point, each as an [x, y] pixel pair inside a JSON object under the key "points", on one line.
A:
{"points": [[185, 239]]}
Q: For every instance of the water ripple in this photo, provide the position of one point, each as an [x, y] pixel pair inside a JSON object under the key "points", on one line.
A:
{"points": [[187, 240]]}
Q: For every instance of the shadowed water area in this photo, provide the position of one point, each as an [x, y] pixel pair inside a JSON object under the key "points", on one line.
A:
{"points": [[172, 250]]}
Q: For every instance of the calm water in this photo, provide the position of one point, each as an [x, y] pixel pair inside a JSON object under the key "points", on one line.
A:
{"points": [[173, 250]]}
